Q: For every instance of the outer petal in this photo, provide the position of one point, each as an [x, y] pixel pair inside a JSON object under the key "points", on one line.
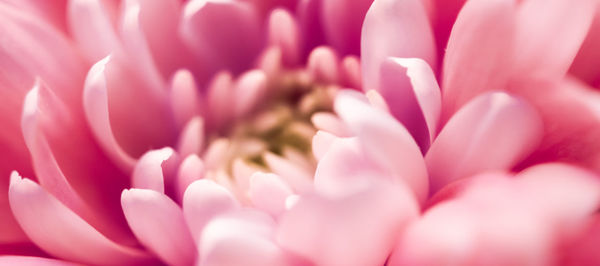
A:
{"points": [[397, 29], [413, 96], [332, 227], [70, 238], [385, 140], [148, 172], [479, 53], [493, 132], [159, 224], [342, 22], [224, 34]]}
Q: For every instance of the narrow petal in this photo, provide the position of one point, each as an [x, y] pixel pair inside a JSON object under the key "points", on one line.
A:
{"points": [[185, 100], [71, 237], [385, 140], [249, 91], [91, 23], [148, 171], [268, 193], [411, 91], [342, 23], [32, 261], [309, 16], [479, 56], [494, 131], [191, 139], [394, 29], [298, 178], [284, 32], [151, 215], [202, 201], [331, 227], [323, 65], [190, 170]]}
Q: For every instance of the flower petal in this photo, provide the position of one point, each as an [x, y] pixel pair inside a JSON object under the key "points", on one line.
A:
{"points": [[71, 237], [495, 131], [584, 65], [284, 32], [190, 170], [385, 140], [91, 23], [151, 215], [342, 22], [191, 139], [185, 100], [32, 261], [268, 193], [398, 29], [148, 171]]}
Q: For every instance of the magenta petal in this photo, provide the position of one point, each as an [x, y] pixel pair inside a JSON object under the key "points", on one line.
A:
{"points": [[394, 29], [413, 96], [480, 52], [584, 65], [284, 32], [226, 35], [32, 261], [71, 237], [202, 201], [332, 227], [385, 141], [494, 131], [342, 23], [150, 215]]}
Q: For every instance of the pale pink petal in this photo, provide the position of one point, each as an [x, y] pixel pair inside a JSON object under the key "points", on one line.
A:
{"points": [[185, 100], [332, 227], [91, 23], [494, 131], [32, 261], [249, 92], [284, 32], [385, 141], [479, 55], [148, 171], [394, 29], [226, 35], [298, 178], [323, 65], [269, 193], [321, 143], [124, 132], [539, 22], [342, 23], [51, 12], [351, 76], [158, 223], [202, 201], [191, 138], [345, 169], [242, 172], [411, 91], [219, 100], [190, 170], [71, 237], [330, 123]]}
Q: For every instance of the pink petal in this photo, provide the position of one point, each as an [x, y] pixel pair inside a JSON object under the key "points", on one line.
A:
{"points": [[250, 90], [191, 140], [385, 141], [284, 32], [495, 131], [32, 261], [330, 123], [538, 24], [225, 35], [71, 237], [479, 56], [91, 23], [158, 223], [585, 63], [298, 178], [321, 143], [584, 251], [268, 193], [323, 65], [413, 96], [219, 100], [148, 171], [184, 97], [309, 17], [332, 227], [394, 29], [202, 201], [350, 72], [342, 23], [52, 13], [190, 170], [124, 132]]}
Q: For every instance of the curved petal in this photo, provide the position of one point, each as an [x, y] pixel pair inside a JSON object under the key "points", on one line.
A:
{"points": [[249, 91], [185, 100], [191, 169], [158, 223], [384, 140], [202, 201], [284, 32], [394, 29], [226, 35], [268, 193], [71, 237], [494, 131], [148, 171], [332, 227], [479, 56], [323, 65], [411, 91], [342, 23], [91, 23], [191, 138]]}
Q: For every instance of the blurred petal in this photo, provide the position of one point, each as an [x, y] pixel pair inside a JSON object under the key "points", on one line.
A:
{"points": [[323, 65], [32, 261], [394, 29], [285, 33], [342, 22], [585, 63], [268, 193], [191, 139], [151, 215], [494, 131], [249, 92], [184, 97], [71, 237]]}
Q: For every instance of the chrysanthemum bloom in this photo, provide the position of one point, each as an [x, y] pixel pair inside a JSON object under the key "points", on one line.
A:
{"points": [[310, 132]]}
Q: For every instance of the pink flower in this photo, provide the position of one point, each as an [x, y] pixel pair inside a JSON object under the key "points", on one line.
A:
{"points": [[311, 132]]}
